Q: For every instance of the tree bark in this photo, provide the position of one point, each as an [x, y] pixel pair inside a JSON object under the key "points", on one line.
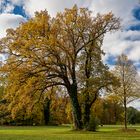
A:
{"points": [[115, 114], [47, 111], [75, 107], [125, 114], [87, 110]]}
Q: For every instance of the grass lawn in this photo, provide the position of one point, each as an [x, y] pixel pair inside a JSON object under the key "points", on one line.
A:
{"points": [[65, 133]]}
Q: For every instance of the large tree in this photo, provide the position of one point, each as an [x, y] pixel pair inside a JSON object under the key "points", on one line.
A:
{"points": [[129, 87], [52, 49], [94, 77]]}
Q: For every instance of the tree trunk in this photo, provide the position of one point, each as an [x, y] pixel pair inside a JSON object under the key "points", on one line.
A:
{"points": [[87, 109], [115, 114], [47, 111], [86, 116], [125, 114], [75, 107]]}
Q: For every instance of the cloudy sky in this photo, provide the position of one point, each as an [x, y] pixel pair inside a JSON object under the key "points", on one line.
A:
{"points": [[13, 12]]}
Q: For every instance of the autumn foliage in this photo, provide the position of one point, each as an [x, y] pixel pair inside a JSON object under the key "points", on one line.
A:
{"points": [[62, 52]]}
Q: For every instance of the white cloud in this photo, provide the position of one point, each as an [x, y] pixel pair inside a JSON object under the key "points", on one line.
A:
{"points": [[113, 44], [121, 8], [1, 2], [9, 21], [135, 104], [52, 6], [120, 42], [8, 8], [18, 2], [138, 72], [134, 54], [123, 42]]}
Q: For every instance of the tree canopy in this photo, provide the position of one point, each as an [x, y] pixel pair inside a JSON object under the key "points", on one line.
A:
{"points": [[62, 51]]}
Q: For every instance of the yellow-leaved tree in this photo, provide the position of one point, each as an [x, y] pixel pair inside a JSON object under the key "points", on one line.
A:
{"points": [[46, 52]]}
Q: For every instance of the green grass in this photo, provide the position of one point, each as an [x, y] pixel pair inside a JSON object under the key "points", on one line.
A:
{"points": [[65, 133]]}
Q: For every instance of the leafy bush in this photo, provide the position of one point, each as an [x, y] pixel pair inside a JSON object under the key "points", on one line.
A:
{"points": [[93, 124]]}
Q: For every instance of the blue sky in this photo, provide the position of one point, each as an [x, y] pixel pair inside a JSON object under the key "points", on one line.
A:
{"points": [[13, 12]]}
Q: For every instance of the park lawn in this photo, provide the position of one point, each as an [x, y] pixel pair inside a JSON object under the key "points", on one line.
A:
{"points": [[65, 133]]}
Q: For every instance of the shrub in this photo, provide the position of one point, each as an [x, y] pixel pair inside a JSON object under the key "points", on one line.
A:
{"points": [[93, 124]]}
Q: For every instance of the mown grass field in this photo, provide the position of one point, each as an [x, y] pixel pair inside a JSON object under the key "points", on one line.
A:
{"points": [[66, 133]]}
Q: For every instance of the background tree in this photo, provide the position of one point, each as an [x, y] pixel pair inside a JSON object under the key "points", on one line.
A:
{"points": [[37, 109], [128, 90], [138, 117], [45, 52], [132, 115], [4, 113], [115, 109], [108, 110]]}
